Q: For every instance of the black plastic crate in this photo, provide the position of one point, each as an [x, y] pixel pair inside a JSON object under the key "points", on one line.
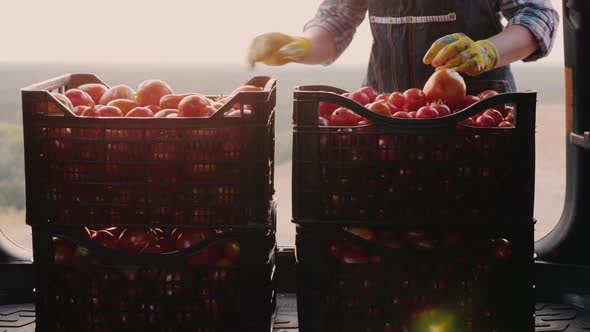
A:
{"points": [[164, 172], [416, 278], [100, 289], [412, 170]]}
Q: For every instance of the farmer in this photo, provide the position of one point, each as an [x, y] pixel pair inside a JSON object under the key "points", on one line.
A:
{"points": [[411, 38]]}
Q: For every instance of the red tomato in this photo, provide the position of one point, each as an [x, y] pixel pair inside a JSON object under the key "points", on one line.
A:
{"points": [[509, 118], [165, 112], [140, 112], [224, 262], [497, 116], [382, 97], [487, 94], [469, 100], [79, 110], [105, 239], [370, 92], [110, 111], [363, 232], [468, 122], [116, 231], [208, 256], [326, 109], [443, 110], [134, 240], [171, 101], [335, 250], [344, 117], [360, 97], [153, 247], [191, 237], [354, 256], [154, 108], [79, 98], [453, 240], [426, 112], [392, 108], [379, 107], [90, 112], [485, 121], [415, 98], [447, 86], [246, 88], [195, 106], [88, 232], [392, 243], [509, 110], [232, 252], [63, 251], [323, 122], [95, 90], [501, 248], [117, 92], [506, 110], [397, 99], [402, 115], [150, 92]]}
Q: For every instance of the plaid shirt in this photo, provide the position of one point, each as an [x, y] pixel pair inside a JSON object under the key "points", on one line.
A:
{"points": [[342, 17]]}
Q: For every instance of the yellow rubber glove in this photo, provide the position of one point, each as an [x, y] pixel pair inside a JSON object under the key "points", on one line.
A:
{"points": [[277, 49], [459, 53]]}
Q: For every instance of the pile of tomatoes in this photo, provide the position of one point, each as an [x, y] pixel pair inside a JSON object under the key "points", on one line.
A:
{"points": [[372, 276], [149, 174], [430, 102], [152, 99], [371, 172], [411, 241], [221, 253]]}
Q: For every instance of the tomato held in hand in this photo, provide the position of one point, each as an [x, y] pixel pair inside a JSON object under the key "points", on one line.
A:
{"points": [[447, 86]]}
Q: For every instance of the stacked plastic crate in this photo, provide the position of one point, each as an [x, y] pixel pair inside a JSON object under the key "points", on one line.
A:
{"points": [[151, 224], [413, 225]]}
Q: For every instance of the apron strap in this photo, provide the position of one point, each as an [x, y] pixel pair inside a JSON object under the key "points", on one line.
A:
{"points": [[450, 17]]}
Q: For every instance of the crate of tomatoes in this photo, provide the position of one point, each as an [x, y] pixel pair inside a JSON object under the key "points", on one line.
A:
{"points": [[154, 279], [469, 278], [116, 156], [448, 152]]}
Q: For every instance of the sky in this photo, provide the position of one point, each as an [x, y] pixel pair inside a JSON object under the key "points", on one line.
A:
{"points": [[170, 31]]}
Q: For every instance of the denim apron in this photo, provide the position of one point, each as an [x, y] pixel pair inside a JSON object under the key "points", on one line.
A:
{"points": [[404, 30]]}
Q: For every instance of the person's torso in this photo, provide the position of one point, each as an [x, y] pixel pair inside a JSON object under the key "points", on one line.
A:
{"points": [[404, 30]]}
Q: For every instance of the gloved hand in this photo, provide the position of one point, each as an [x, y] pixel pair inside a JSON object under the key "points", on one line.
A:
{"points": [[459, 53], [277, 49]]}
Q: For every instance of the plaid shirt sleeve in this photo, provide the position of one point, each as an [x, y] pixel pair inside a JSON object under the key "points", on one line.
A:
{"points": [[538, 16], [341, 18]]}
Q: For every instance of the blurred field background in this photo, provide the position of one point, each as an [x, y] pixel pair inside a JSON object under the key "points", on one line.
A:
{"points": [[222, 79]]}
